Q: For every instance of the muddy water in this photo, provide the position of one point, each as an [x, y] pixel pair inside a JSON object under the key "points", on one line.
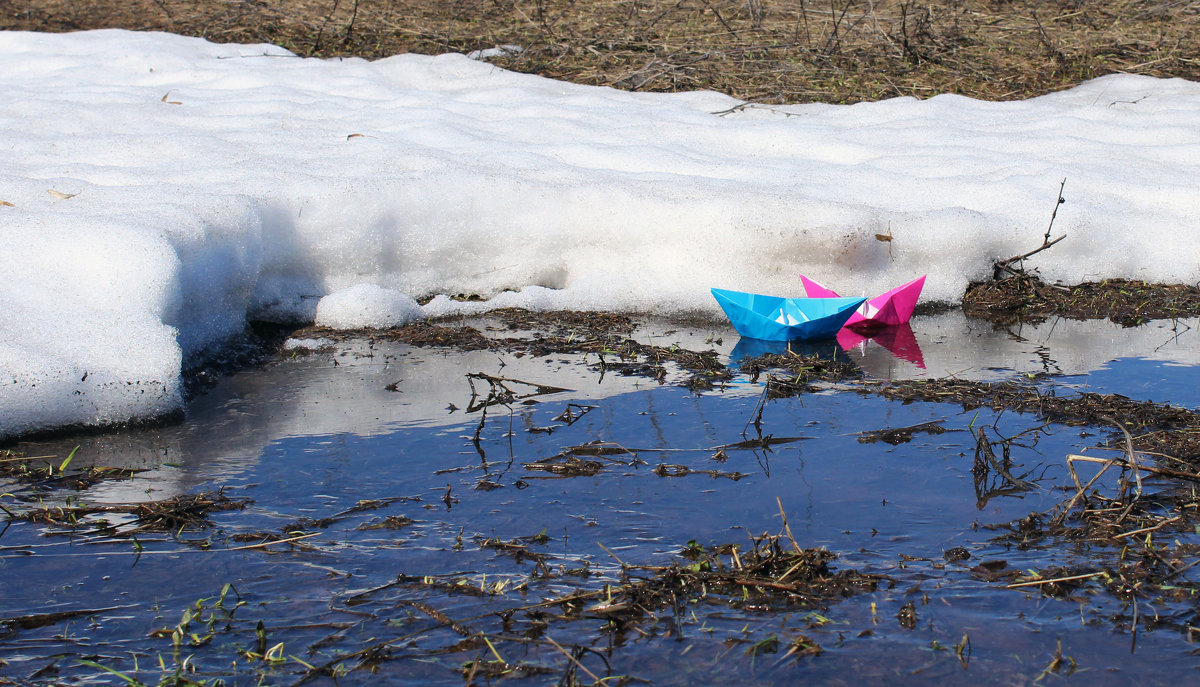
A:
{"points": [[374, 450]]}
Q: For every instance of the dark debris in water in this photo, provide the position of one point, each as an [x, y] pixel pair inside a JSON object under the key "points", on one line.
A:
{"points": [[49, 472], [425, 334], [771, 577], [602, 334], [566, 466], [1152, 576], [802, 370], [673, 470], [183, 512], [1125, 302], [901, 435], [11, 625], [567, 323], [518, 616], [775, 574], [1026, 397]]}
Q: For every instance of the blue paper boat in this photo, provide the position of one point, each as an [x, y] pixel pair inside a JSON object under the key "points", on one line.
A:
{"points": [[774, 318]]}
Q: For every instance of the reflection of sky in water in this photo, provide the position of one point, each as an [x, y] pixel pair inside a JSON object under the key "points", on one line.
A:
{"points": [[1150, 380]]}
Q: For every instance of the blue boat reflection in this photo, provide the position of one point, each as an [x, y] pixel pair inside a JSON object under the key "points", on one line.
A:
{"points": [[747, 347]]}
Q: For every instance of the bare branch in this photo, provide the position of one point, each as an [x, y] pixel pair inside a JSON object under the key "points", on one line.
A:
{"points": [[1002, 266]]}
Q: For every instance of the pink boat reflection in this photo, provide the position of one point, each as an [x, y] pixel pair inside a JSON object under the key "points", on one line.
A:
{"points": [[898, 340]]}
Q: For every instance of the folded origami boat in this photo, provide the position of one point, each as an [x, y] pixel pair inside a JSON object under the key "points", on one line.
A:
{"points": [[888, 309], [774, 318]]}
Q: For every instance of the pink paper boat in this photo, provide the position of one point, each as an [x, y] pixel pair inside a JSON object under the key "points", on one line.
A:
{"points": [[888, 309]]}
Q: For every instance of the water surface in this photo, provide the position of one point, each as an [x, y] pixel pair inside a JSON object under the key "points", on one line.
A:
{"points": [[309, 439]]}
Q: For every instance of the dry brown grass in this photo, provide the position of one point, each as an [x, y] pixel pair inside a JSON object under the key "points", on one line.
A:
{"points": [[762, 50]]}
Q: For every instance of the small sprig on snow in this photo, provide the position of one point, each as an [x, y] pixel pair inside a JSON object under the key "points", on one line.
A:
{"points": [[1015, 266]]}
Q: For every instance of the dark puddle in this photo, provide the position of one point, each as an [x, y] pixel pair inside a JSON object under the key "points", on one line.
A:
{"points": [[573, 504]]}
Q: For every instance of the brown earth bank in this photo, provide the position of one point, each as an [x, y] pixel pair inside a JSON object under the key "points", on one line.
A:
{"points": [[761, 50]]}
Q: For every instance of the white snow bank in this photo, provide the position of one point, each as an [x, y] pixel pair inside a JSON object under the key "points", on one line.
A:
{"points": [[164, 189], [367, 306]]}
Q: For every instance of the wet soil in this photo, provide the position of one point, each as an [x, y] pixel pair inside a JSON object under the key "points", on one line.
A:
{"points": [[1126, 302], [540, 334]]}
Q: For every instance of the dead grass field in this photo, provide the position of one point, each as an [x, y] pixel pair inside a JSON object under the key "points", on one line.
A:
{"points": [[762, 50]]}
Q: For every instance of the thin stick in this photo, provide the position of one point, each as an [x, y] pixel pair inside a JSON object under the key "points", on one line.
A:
{"points": [[549, 602], [1164, 523], [1179, 570], [1134, 624], [442, 618], [1130, 454], [1165, 472], [758, 411], [176, 552], [1081, 489], [721, 19], [595, 680], [786, 527], [623, 565], [1054, 214], [1036, 583], [1005, 265], [260, 545]]}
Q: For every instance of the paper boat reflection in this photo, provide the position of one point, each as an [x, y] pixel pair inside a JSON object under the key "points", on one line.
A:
{"points": [[752, 348], [887, 309], [774, 318], [898, 340]]}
